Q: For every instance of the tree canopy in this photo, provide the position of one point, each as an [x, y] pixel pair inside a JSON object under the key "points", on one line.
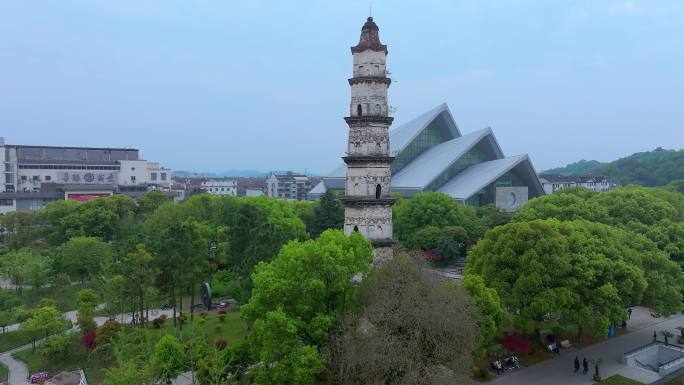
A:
{"points": [[578, 272], [296, 299]]}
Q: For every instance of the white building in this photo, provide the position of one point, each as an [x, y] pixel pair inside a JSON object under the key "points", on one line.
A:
{"points": [[220, 187], [288, 186], [553, 183], [34, 175], [254, 192]]}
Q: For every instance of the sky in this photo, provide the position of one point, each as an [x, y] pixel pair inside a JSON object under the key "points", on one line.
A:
{"points": [[214, 85]]}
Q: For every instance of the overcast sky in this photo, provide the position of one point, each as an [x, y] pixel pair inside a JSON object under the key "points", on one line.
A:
{"points": [[225, 84]]}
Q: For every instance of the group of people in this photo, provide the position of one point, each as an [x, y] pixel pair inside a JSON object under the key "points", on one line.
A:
{"points": [[585, 365], [509, 363]]}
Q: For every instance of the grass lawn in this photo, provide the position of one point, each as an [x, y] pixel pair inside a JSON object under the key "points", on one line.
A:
{"points": [[678, 381], [618, 380], [76, 357], [11, 340], [232, 329], [3, 372]]}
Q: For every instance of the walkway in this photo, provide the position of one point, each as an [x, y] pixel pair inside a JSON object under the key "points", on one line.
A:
{"points": [[560, 370], [18, 372]]}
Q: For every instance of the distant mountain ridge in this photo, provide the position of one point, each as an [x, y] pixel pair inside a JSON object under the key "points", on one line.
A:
{"points": [[650, 168], [229, 174]]}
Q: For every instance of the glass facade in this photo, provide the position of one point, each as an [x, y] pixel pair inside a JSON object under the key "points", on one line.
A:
{"points": [[487, 195], [473, 156], [431, 136]]}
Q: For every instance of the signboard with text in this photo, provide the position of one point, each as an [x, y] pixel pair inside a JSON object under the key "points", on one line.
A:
{"points": [[86, 196]]}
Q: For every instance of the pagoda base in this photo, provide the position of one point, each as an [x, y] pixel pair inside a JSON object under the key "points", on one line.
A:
{"points": [[382, 255]]}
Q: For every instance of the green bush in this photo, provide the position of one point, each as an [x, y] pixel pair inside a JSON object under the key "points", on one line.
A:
{"points": [[55, 345]]}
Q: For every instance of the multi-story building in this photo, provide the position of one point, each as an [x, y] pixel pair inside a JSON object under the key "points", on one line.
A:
{"points": [[288, 185], [553, 182], [220, 186], [33, 175]]}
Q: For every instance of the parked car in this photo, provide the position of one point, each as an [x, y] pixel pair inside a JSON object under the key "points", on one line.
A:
{"points": [[39, 377]]}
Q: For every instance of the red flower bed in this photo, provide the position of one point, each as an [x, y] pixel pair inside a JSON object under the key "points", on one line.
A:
{"points": [[516, 343], [431, 255]]}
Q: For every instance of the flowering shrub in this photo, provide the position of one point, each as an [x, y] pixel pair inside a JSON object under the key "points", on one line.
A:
{"points": [[107, 332], [89, 340], [516, 343], [432, 255], [221, 344]]}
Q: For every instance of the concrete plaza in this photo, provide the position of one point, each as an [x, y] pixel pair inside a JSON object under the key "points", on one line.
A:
{"points": [[560, 370]]}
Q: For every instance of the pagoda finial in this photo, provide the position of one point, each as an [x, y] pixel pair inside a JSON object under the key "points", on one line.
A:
{"points": [[370, 38]]}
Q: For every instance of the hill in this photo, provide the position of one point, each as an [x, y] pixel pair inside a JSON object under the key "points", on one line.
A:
{"points": [[651, 168]]}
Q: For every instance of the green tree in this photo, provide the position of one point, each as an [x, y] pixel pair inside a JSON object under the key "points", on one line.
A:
{"points": [[55, 345], [83, 257], [26, 266], [565, 205], [488, 302], [51, 218], [328, 214], [430, 209], [169, 358], [150, 202], [37, 268], [296, 299], [18, 229], [578, 272], [140, 274], [179, 247], [132, 350], [87, 301], [45, 320]]}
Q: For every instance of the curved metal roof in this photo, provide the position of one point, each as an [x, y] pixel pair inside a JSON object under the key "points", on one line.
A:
{"points": [[421, 171], [433, 161], [476, 177]]}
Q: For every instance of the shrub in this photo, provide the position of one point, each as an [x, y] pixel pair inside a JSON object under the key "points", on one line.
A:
{"points": [[54, 345], [221, 343], [86, 323], [182, 318], [223, 311], [203, 314], [107, 332], [89, 340], [158, 322], [222, 317]]}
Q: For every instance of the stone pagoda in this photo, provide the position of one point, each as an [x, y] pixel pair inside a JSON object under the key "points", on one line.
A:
{"points": [[367, 199]]}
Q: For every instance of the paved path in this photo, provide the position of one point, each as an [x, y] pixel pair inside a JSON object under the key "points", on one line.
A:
{"points": [[18, 373], [560, 370]]}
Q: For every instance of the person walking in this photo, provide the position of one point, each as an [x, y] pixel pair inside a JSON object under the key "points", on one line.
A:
{"points": [[577, 364], [629, 313], [585, 366]]}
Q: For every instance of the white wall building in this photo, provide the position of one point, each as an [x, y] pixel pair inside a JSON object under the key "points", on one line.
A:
{"points": [[34, 175], [220, 187], [553, 183], [288, 186]]}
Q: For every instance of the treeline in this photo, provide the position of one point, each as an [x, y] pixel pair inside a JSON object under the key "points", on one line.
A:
{"points": [[574, 260], [151, 251], [659, 167]]}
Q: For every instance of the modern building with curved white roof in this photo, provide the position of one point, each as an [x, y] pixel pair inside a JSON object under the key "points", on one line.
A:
{"points": [[431, 154]]}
